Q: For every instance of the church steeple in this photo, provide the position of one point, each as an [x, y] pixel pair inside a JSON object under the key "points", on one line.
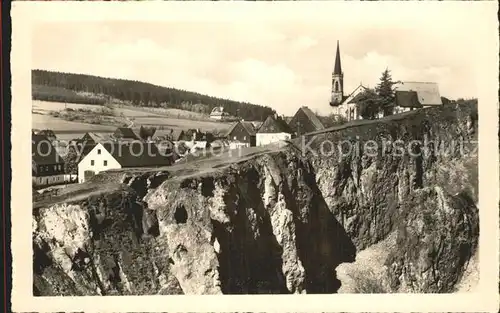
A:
{"points": [[337, 80], [338, 68]]}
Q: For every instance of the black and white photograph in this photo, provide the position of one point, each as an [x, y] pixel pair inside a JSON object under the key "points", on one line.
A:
{"points": [[326, 152]]}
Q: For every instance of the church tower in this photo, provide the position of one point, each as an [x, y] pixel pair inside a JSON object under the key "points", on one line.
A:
{"points": [[337, 80]]}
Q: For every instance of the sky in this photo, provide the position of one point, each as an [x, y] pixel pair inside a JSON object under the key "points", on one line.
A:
{"points": [[282, 63]]}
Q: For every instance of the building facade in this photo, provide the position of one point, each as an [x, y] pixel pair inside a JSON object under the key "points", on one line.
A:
{"points": [[305, 121], [416, 95], [241, 134], [46, 164], [109, 156], [273, 130], [97, 160]]}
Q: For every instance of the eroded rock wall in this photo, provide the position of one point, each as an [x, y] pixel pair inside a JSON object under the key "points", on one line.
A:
{"points": [[280, 222]]}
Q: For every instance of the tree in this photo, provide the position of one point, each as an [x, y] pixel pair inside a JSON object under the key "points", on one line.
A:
{"points": [[369, 103], [332, 120], [385, 92], [146, 132], [70, 159]]}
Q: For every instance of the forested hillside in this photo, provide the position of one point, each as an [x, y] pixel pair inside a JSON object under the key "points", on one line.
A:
{"points": [[137, 93]]}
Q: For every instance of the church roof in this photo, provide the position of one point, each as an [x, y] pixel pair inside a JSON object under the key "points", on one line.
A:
{"points": [[338, 68], [354, 95]]}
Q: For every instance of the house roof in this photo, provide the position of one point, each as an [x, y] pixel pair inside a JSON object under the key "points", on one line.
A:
{"points": [[407, 99], [256, 125], [273, 125], [97, 137], [43, 152], [427, 92], [312, 117], [127, 133], [83, 151], [248, 126], [129, 154], [163, 134]]}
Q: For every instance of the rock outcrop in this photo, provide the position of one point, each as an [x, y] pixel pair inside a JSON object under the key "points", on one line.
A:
{"points": [[279, 221]]}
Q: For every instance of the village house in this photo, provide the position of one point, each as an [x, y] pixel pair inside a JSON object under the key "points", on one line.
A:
{"points": [[109, 156], [49, 134], [241, 134], [256, 124], [195, 139], [416, 95], [94, 138], [305, 121], [274, 129], [125, 134], [161, 135], [218, 113], [87, 142], [46, 164]]}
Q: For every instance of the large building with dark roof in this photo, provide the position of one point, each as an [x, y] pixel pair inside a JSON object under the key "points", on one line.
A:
{"points": [[415, 95], [305, 121], [46, 164]]}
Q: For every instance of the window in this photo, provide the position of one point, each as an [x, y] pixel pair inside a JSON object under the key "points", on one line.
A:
{"points": [[98, 151], [244, 137], [56, 167], [92, 162], [336, 86], [234, 137], [105, 163]]}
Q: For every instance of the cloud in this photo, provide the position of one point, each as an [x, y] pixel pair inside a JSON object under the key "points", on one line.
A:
{"points": [[280, 64], [305, 42]]}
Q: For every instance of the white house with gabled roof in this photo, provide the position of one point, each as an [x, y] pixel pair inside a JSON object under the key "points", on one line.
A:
{"points": [[107, 156], [273, 130]]}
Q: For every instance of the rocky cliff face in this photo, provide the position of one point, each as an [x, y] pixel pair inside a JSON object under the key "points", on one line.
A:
{"points": [[280, 221]]}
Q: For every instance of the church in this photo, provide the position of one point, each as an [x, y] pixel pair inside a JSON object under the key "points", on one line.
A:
{"points": [[343, 105], [408, 95]]}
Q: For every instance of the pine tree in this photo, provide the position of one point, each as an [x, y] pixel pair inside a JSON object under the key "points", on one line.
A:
{"points": [[385, 92]]}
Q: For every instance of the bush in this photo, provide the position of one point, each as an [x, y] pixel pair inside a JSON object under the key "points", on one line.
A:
{"points": [[332, 120]]}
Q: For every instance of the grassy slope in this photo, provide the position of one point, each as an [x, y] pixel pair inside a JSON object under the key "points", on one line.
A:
{"points": [[168, 118]]}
